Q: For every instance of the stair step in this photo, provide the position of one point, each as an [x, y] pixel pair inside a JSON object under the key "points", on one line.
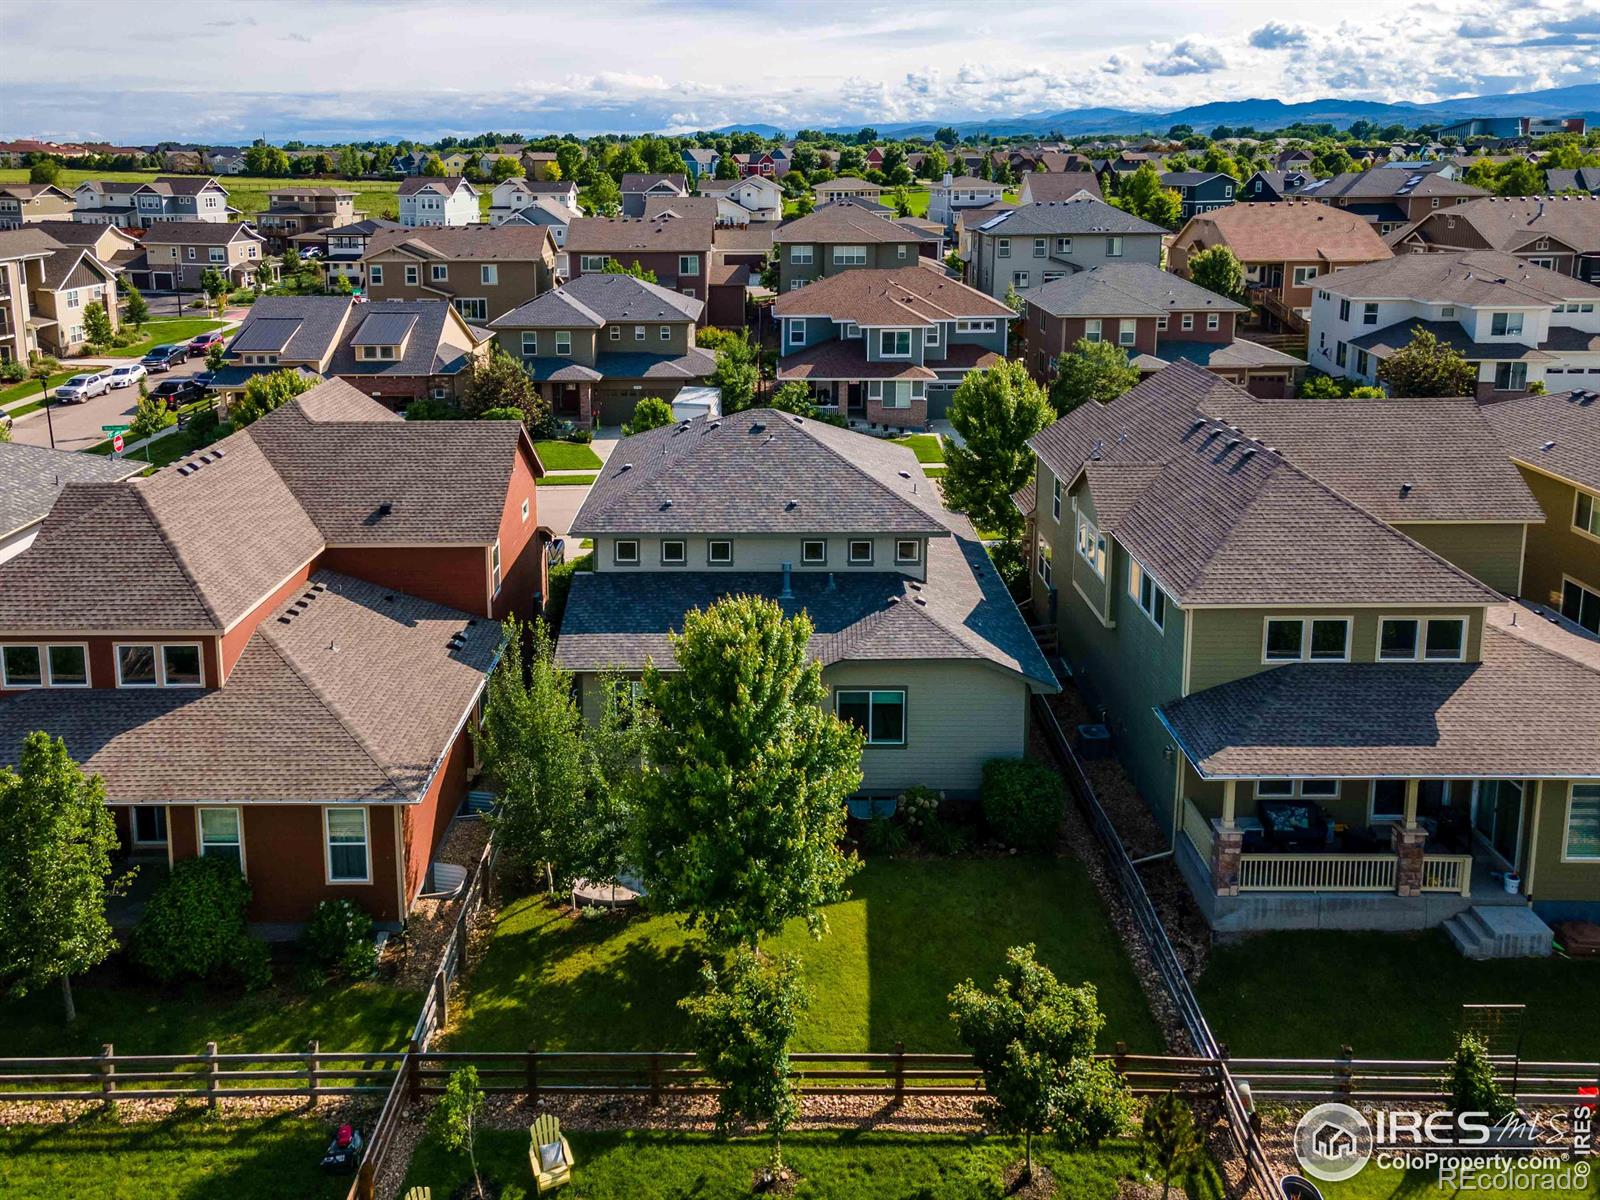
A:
{"points": [[1500, 932]]}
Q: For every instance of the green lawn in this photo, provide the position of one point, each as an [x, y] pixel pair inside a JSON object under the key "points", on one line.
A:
{"points": [[882, 973], [926, 446], [170, 448], [832, 1166], [28, 389], [160, 331], [934, 472], [247, 193], [1305, 993], [185, 1157], [567, 480], [567, 456]]}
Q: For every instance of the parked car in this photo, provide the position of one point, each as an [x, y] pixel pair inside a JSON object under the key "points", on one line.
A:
{"points": [[198, 346], [83, 387], [127, 376], [164, 358], [178, 392]]}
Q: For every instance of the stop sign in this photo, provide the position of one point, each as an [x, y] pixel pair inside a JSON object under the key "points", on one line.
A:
{"points": [[116, 443]]}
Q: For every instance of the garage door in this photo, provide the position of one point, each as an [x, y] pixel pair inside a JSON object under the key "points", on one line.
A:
{"points": [[617, 406], [939, 397]]}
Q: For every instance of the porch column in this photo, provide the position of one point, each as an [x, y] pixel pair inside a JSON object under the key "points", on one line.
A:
{"points": [[1227, 846], [1230, 792], [1407, 840]]}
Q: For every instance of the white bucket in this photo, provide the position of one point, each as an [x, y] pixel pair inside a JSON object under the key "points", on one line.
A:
{"points": [[1513, 882]]}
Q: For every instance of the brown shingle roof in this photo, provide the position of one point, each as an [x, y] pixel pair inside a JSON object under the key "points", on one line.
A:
{"points": [[849, 223], [1468, 277], [491, 243], [1288, 231], [1558, 434], [620, 235], [1517, 222], [914, 295]]}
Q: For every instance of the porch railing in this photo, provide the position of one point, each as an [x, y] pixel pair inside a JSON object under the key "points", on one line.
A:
{"points": [[1317, 872], [1197, 827], [1447, 873]]}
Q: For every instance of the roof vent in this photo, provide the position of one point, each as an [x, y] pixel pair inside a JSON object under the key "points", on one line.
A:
{"points": [[922, 600], [716, 424], [665, 504], [905, 474], [791, 505], [1547, 447], [627, 466], [788, 590], [385, 507], [1405, 489]]}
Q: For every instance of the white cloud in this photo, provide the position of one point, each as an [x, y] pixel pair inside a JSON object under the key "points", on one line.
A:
{"points": [[1275, 35], [1191, 56]]}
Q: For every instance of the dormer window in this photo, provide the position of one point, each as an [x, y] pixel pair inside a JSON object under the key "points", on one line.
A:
{"points": [[907, 550], [380, 353]]}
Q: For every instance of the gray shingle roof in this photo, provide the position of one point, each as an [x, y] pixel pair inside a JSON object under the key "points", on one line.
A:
{"points": [[1126, 289], [425, 351], [1384, 342], [590, 301], [1558, 433], [848, 223], [31, 477], [1473, 277], [1084, 215], [318, 320]]}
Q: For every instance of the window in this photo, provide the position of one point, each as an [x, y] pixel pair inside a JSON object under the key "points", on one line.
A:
{"points": [[1113, 247], [814, 552], [800, 255], [530, 343], [1091, 329], [1127, 331], [1063, 245], [859, 553], [1582, 839], [439, 272], [375, 272], [688, 264], [625, 552], [851, 330], [1306, 639], [488, 274], [931, 336], [907, 550], [1002, 248], [1510, 376], [150, 824], [1436, 639], [1041, 247], [1288, 789], [411, 275], [591, 262], [894, 343], [348, 861], [1274, 789], [1505, 324], [1055, 498], [1580, 604], [666, 333], [1341, 353], [1369, 314], [1344, 310], [719, 553], [674, 552], [880, 715], [984, 326], [1019, 279], [1449, 310], [218, 255], [1213, 320], [1363, 361], [473, 309], [900, 250], [494, 566], [849, 256], [797, 333], [1446, 640], [1303, 276], [615, 333], [23, 666], [1161, 323], [1398, 639], [222, 835], [136, 666], [1047, 570], [638, 333], [180, 666], [69, 666], [524, 510], [1091, 546], [564, 342], [1148, 595]]}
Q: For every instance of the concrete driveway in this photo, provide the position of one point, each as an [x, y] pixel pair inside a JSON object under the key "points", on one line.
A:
{"points": [[77, 426]]}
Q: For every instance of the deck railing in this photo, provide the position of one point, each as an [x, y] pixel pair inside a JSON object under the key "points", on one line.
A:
{"points": [[1447, 873], [1197, 827], [1317, 872]]}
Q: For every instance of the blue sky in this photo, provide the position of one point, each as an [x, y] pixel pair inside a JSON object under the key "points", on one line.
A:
{"points": [[330, 69]]}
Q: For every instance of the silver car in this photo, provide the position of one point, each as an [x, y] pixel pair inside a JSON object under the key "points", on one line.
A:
{"points": [[82, 387], [127, 376]]}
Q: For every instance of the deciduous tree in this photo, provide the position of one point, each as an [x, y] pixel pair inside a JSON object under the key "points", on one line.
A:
{"points": [[1425, 366], [1098, 371], [652, 412], [737, 372], [1218, 269], [995, 411], [1169, 1144], [454, 1119], [136, 310], [97, 324], [497, 380], [266, 392]]}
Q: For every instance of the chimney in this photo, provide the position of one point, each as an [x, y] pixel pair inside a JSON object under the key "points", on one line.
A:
{"points": [[948, 179], [788, 591]]}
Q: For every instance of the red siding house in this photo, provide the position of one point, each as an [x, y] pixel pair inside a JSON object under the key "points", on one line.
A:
{"points": [[274, 650]]}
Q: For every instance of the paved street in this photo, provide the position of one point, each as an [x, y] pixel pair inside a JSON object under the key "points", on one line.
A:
{"points": [[77, 426]]}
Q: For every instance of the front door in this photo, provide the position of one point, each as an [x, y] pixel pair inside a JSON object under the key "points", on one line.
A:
{"points": [[855, 400], [1497, 817]]}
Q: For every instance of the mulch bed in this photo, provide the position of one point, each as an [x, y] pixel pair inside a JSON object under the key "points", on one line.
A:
{"points": [[334, 1110], [415, 955]]}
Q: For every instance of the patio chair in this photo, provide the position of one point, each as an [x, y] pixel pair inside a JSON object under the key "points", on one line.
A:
{"points": [[553, 1170], [420, 1193]]}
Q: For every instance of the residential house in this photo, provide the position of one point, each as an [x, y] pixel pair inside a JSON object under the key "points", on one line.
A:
{"points": [[110, 245], [140, 205], [839, 238], [599, 344], [1200, 191], [395, 351], [511, 196], [1294, 158], [1158, 318], [715, 207], [919, 643], [969, 220], [1517, 324], [187, 162], [637, 188], [1296, 612], [15, 154], [1389, 199], [292, 211], [412, 162], [1285, 248], [482, 270], [225, 160], [1268, 186], [953, 193], [757, 195], [346, 246], [1580, 179], [32, 479], [700, 163], [455, 163], [677, 249], [27, 203], [846, 187], [61, 286], [1030, 246], [177, 255], [284, 665], [431, 200], [1561, 233], [539, 163], [888, 347], [19, 336], [1039, 187]]}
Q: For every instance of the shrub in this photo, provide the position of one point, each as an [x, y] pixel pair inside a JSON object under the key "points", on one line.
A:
{"points": [[580, 437], [1472, 1084], [1023, 802], [652, 412], [12, 371], [884, 835], [560, 585], [203, 424], [503, 413], [338, 938], [194, 927]]}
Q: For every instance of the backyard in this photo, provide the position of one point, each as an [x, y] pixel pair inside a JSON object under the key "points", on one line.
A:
{"points": [[911, 930]]}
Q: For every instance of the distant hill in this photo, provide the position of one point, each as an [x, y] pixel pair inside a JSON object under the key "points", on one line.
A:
{"points": [[766, 131]]}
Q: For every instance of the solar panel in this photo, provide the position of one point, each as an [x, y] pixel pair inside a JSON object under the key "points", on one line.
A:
{"points": [[384, 329], [270, 334]]}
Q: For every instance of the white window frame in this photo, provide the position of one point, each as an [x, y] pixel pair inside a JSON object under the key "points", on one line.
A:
{"points": [[1046, 566], [1422, 624], [1188, 321], [931, 335], [1304, 276], [639, 333], [614, 333], [666, 333], [479, 308], [1155, 609], [1566, 826], [495, 576], [800, 256], [530, 338], [133, 824], [1307, 629], [38, 653], [375, 274], [902, 556], [159, 653], [688, 264], [818, 560], [870, 693], [1161, 323], [1127, 331], [489, 274], [524, 510], [592, 263], [854, 560], [200, 832], [327, 845], [712, 547], [849, 256], [439, 273], [412, 275], [1055, 498], [1091, 545], [1063, 245], [1113, 247], [1092, 329], [1296, 789], [681, 558], [50, 672], [796, 327], [896, 334], [618, 558], [564, 335], [1213, 321]]}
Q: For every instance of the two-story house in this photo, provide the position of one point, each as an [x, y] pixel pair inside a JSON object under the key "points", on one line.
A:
{"points": [[700, 162], [1516, 324], [27, 203], [57, 285], [177, 255], [1389, 199], [1292, 618], [757, 195], [284, 667], [512, 196], [840, 238], [637, 187], [919, 643], [394, 351], [1561, 233], [677, 249], [19, 339], [955, 192], [301, 209], [1158, 318], [114, 247], [1200, 191], [599, 344], [1285, 249], [846, 187], [1267, 186], [482, 270], [433, 200], [888, 348], [344, 246], [139, 205], [1040, 187], [1028, 247]]}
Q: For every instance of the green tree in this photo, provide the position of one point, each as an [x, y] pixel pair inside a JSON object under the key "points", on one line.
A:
{"points": [[1169, 1144], [1317, 386], [56, 840], [46, 170], [266, 161], [569, 157], [193, 927], [1098, 371], [1218, 269], [1472, 1083], [150, 417], [652, 412], [995, 411], [216, 287], [497, 380], [603, 197], [737, 372], [454, 1119], [741, 1023], [1519, 177], [1143, 195], [532, 741], [266, 392], [635, 268], [137, 310], [794, 397], [434, 167], [740, 822], [217, 356], [1033, 1038], [934, 163], [97, 324], [505, 167], [1425, 366], [615, 749]]}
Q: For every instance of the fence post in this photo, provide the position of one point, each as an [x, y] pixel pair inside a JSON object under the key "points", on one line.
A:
{"points": [[366, 1182], [1120, 1060], [442, 988], [899, 1071], [655, 1078], [312, 1091], [1345, 1074], [108, 1074], [414, 1079], [211, 1076], [533, 1073]]}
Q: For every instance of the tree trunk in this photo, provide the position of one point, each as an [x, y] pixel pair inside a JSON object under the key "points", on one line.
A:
{"points": [[777, 1153], [66, 999], [1166, 1184], [1027, 1156]]}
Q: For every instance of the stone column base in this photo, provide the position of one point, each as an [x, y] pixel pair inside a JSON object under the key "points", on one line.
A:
{"points": [[1408, 844], [1225, 851]]}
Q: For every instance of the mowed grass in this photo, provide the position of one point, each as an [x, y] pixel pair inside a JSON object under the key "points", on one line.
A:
{"points": [[926, 446], [567, 480], [881, 974], [1305, 993], [832, 1166], [28, 391], [161, 331], [567, 456], [247, 193], [185, 1157]]}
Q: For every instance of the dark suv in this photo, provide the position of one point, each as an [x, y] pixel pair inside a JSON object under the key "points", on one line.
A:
{"points": [[178, 392], [164, 358]]}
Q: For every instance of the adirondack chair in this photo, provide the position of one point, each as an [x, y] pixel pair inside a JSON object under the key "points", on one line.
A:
{"points": [[546, 1131], [420, 1193]]}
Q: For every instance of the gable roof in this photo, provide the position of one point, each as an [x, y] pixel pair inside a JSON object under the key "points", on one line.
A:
{"points": [[487, 243], [32, 477], [199, 233], [1387, 184], [1291, 230], [920, 294], [1081, 215], [590, 301], [1126, 289], [1558, 433], [849, 223], [1464, 277], [446, 185], [644, 181], [297, 328], [1513, 223], [620, 235], [1045, 187]]}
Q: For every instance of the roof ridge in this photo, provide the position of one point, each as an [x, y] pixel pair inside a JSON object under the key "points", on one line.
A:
{"points": [[177, 557], [806, 429]]}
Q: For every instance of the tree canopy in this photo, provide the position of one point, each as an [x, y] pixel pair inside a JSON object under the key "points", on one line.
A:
{"points": [[1218, 269], [1098, 371], [995, 411], [1425, 366], [264, 393]]}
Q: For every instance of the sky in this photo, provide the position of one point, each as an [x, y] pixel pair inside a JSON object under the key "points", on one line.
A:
{"points": [[326, 70]]}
